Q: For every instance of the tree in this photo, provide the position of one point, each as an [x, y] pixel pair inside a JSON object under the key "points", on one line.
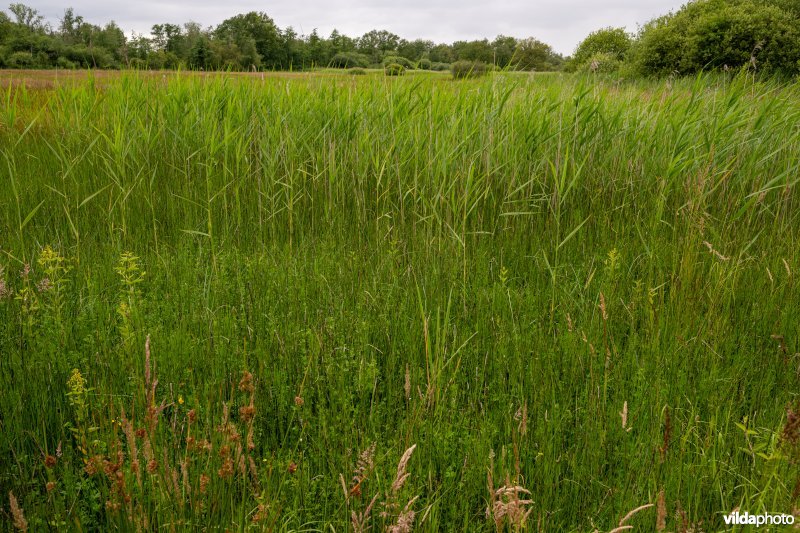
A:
{"points": [[27, 16], [532, 54], [258, 29], [503, 48], [200, 55], [376, 43], [69, 26], [473, 51]]}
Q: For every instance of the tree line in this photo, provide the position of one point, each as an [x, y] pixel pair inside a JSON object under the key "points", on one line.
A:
{"points": [[245, 42], [759, 35]]}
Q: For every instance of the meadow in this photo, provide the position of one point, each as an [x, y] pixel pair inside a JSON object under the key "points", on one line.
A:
{"points": [[333, 303]]}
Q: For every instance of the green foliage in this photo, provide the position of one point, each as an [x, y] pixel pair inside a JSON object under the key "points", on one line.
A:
{"points": [[21, 60], [440, 67], [602, 63], [468, 69], [717, 34], [532, 54], [394, 69], [424, 64], [396, 60], [607, 43], [349, 60], [356, 71]]}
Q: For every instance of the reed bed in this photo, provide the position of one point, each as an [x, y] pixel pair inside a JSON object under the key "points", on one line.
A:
{"points": [[558, 302]]}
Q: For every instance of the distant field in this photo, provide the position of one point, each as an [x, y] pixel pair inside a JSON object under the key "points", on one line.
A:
{"points": [[370, 302], [49, 79]]}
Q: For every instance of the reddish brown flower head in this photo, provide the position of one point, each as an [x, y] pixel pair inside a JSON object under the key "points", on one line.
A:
{"points": [[225, 452], [49, 461], [298, 401], [191, 416], [51, 485], [152, 466], [247, 413], [292, 467], [226, 470], [246, 383]]}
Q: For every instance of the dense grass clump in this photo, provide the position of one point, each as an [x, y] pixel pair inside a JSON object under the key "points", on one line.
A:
{"points": [[331, 302]]}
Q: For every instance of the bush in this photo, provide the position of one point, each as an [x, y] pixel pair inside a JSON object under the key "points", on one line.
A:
{"points": [[349, 60], [356, 71], [720, 34], [394, 69], [397, 60], [20, 60], [440, 67], [611, 43], [601, 63], [468, 69], [63, 62], [424, 64]]}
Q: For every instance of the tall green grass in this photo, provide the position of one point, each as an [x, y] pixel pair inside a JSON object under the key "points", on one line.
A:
{"points": [[493, 270]]}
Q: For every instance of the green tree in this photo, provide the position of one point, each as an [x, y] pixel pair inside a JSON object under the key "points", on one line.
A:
{"points": [[532, 54], [258, 29]]}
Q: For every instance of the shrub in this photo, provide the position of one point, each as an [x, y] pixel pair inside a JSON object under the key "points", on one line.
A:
{"points": [[440, 67], [397, 60], [424, 64], [610, 42], [601, 63], [20, 60], [356, 71], [63, 62], [718, 34], [349, 60], [394, 69], [468, 69]]}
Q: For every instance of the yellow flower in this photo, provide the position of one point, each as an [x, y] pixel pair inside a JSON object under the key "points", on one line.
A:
{"points": [[180, 400]]}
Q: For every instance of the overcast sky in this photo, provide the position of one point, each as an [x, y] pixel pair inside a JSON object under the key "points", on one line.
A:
{"points": [[561, 23]]}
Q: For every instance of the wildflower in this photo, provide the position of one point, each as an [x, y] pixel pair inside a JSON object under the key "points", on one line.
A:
{"points": [[298, 401], [246, 383], [152, 466], [292, 467], [191, 416], [51, 485], [247, 412], [180, 400], [26, 271], [49, 461], [204, 481], [44, 284], [226, 470]]}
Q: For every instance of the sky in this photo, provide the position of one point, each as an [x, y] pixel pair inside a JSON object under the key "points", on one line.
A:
{"points": [[560, 23]]}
